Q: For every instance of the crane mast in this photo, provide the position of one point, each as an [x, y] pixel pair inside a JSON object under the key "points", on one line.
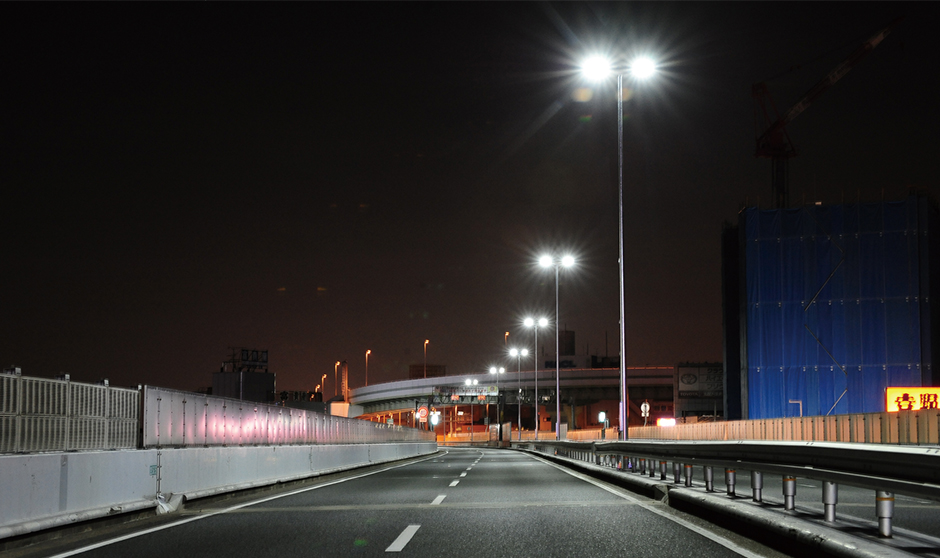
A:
{"points": [[774, 143]]}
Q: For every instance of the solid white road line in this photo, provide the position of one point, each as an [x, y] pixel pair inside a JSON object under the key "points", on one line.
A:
{"points": [[730, 545], [437, 501], [403, 539], [226, 510]]}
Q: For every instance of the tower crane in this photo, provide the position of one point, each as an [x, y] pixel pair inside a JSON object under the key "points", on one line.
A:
{"points": [[774, 143]]}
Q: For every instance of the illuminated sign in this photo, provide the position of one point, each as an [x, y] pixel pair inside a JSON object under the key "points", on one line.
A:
{"points": [[472, 391], [911, 398]]}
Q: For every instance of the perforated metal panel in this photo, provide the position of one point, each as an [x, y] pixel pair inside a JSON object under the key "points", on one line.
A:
{"points": [[38, 414], [178, 419]]}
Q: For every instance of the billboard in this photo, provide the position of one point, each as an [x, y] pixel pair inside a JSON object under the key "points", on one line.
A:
{"points": [[911, 398], [701, 381]]}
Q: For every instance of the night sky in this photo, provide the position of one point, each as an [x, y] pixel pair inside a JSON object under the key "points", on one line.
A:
{"points": [[320, 179]]}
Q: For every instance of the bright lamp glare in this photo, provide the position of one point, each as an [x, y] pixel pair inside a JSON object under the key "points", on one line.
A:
{"points": [[492, 370], [543, 322], [666, 422], [596, 68], [545, 261], [567, 261], [643, 68], [529, 322], [525, 352], [513, 352]]}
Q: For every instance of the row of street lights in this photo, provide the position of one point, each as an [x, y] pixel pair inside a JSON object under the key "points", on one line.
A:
{"points": [[596, 68]]}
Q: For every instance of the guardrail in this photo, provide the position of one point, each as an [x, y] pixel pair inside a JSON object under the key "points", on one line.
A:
{"points": [[886, 470], [174, 418], [59, 415]]}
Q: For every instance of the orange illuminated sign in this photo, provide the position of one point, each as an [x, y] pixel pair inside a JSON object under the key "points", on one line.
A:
{"points": [[911, 398]]}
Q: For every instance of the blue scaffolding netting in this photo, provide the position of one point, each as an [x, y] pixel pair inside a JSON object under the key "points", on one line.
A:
{"points": [[837, 305]]}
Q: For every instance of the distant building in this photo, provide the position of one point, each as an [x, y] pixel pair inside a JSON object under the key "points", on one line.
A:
{"points": [[824, 306], [245, 376]]}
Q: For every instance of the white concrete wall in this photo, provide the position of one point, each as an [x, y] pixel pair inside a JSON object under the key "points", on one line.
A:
{"points": [[39, 491]]}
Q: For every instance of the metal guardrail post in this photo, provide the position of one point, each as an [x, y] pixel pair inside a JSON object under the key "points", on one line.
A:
{"points": [[676, 472], [652, 466], [688, 474], [730, 481], [709, 478], [830, 497], [662, 470], [789, 492], [884, 509], [18, 444], [68, 415], [757, 485]]}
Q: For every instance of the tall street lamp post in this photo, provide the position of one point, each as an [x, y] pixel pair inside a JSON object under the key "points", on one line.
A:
{"points": [[335, 379], [542, 322], [499, 414], [426, 359], [519, 354], [549, 261], [598, 68], [368, 352]]}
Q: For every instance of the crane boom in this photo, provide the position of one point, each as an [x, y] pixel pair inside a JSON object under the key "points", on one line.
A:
{"points": [[774, 143]]}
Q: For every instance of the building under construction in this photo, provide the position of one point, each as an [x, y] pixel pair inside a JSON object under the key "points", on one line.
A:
{"points": [[824, 306]]}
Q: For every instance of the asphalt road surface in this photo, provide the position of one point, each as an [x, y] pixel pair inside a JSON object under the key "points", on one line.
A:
{"points": [[460, 502]]}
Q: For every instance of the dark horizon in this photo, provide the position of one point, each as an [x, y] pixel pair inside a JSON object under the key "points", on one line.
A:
{"points": [[318, 180]]}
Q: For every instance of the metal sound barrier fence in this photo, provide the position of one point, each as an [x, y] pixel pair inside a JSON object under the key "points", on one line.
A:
{"points": [[38, 414], [180, 419], [921, 427], [59, 415]]}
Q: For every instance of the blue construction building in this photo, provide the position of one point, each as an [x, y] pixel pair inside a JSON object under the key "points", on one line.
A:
{"points": [[825, 306]]}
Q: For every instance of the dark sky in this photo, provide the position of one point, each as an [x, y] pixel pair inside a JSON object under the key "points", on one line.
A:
{"points": [[319, 179]]}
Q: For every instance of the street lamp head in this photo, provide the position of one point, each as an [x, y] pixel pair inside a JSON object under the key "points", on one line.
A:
{"points": [[513, 352], [529, 322], [468, 382], [567, 261], [524, 352], [546, 261], [596, 68], [493, 370], [643, 67], [543, 322]]}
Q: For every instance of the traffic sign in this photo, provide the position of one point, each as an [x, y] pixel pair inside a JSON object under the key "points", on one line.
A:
{"points": [[645, 409], [422, 413]]}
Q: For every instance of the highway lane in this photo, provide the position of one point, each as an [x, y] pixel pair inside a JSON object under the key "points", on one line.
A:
{"points": [[471, 502]]}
